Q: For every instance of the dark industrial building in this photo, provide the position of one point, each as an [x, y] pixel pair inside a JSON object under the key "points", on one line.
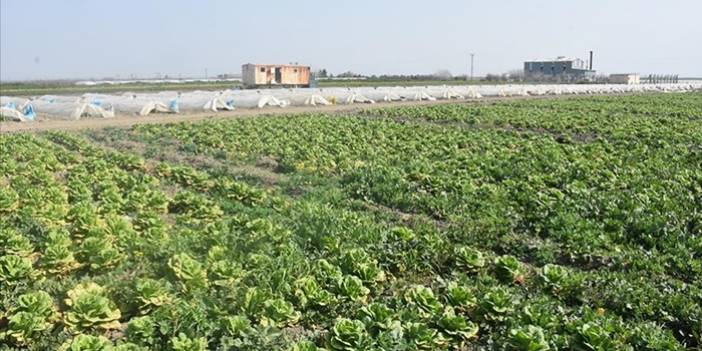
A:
{"points": [[560, 68]]}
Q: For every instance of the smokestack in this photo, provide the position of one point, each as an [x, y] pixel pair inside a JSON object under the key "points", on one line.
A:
{"points": [[591, 60]]}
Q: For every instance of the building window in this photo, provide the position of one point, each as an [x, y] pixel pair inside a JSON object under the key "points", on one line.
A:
{"points": [[295, 70], [263, 69]]}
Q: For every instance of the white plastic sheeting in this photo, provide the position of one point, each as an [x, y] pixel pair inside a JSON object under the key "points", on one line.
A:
{"points": [[204, 101], [171, 99], [138, 106], [54, 98], [69, 110], [382, 94], [16, 109], [142, 104], [302, 97], [252, 99], [351, 96]]}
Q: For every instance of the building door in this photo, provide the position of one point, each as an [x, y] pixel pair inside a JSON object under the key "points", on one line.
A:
{"points": [[278, 75]]}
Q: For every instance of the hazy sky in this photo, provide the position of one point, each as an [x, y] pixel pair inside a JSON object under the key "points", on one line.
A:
{"points": [[82, 39]]}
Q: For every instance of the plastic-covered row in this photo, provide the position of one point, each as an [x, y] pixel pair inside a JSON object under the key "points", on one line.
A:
{"points": [[143, 104]]}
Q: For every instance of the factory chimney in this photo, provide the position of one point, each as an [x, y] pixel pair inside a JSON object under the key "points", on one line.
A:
{"points": [[591, 60]]}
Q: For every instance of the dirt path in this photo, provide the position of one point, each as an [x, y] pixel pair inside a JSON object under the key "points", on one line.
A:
{"points": [[125, 121]]}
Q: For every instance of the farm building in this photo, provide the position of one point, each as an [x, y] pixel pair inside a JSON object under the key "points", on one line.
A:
{"points": [[625, 78], [560, 67], [256, 75]]}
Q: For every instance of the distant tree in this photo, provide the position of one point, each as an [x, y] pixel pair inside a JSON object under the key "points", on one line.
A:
{"points": [[443, 74], [322, 73], [349, 74], [516, 75]]}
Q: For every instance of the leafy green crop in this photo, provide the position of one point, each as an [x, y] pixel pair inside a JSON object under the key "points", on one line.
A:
{"points": [[550, 224]]}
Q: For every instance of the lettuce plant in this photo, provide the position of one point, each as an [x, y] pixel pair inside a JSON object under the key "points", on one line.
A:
{"points": [[225, 273], [496, 304], [422, 337], [90, 309], [307, 292], [457, 326], [358, 262], [423, 299], [58, 257], [377, 317], [151, 294], [183, 343], [560, 281], [14, 243], [460, 297], [326, 272], [352, 288], [9, 200], [509, 269], [304, 345], [23, 326], [279, 313], [141, 330], [348, 335], [237, 326], [99, 253], [189, 272], [82, 342], [528, 338], [15, 270], [469, 259]]}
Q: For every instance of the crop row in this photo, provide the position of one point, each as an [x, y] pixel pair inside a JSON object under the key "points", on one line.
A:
{"points": [[482, 238]]}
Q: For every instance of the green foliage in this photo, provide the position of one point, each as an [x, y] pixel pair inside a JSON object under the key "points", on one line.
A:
{"points": [[496, 304], [15, 270], [183, 343], [509, 269], [460, 297], [14, 243], [377, 318], [190, 273], [99, 253], [82, 342], [141, 331], [469, 259], [365, 233], [528, 338], [309, 293], [457, 326], [58, 257], [561, 281], [351, 287], [423, 299], [348, 335], [90, 309], [279, 313], [422, 337], [151, 294]]}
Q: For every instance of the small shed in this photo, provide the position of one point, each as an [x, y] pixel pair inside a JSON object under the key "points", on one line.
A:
{"points": [[625, 78], [259, 75]]}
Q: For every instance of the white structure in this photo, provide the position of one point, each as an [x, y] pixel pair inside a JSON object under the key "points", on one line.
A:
{"points": [[625, 78], [142, 104]]}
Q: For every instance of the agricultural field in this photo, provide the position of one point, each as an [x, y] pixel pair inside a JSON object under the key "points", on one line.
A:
{"points": [[569, 224]]}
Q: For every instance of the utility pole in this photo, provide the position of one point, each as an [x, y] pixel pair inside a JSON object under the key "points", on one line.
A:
{"points": [[471, 66]]}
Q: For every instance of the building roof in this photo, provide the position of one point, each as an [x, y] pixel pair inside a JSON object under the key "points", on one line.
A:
{"points": [[557, 59], [271, 65]]}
